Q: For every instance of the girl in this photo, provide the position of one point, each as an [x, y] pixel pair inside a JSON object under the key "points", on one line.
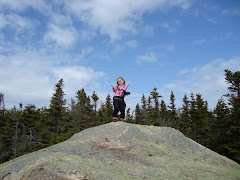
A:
{"points": [[118, 99]]}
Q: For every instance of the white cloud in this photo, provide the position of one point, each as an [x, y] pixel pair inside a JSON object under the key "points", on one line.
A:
{"points": [[85, 51], [234, 11], [17, 25], [86, 34], [29, 78], [22, 5], [23, 79], [167, 26], [186, 71], [114, 17], [64, 37], [132, 44], [77, 77], [208, 80], [61, 20], [118, 48], [149, 57]]}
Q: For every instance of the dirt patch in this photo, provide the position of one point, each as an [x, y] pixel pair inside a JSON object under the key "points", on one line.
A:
{"points": [[42, 171], [118, 153]]}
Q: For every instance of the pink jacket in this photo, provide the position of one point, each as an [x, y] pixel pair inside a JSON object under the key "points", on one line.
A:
{"points": [[118, 92]]}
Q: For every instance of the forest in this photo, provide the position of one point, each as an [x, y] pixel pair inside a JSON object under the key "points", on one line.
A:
{"points": [[27, 129]]}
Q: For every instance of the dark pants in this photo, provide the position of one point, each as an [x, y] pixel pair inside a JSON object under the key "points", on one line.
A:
{"points": [[119, 105]]}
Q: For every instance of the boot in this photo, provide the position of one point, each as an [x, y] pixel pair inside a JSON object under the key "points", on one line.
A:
{"points": [[115, 119], [121, 119]]}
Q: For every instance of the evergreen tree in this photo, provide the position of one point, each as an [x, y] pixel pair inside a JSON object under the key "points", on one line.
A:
{"points": [[193, 116], [155, 119], [138, 115], [220, 127], [144, 109], [203, 118], [95, 98], [45, 130], [6, 137], [164, 114], [184, 124], [29, 119], [82, 101], [109, 108], [173, 111], [84, 114], [106, 110], [72, 107], [155, 95], [151, 114], [233, 146], [57, 109], [129, 117], [102, 115], [6, 132], [234, 80]]}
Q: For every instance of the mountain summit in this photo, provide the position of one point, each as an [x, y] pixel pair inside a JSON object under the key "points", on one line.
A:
{"points": [[122, 151]]}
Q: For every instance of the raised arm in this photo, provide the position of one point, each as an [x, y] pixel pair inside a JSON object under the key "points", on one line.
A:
{"points": [[125, 88], [114, 88]]}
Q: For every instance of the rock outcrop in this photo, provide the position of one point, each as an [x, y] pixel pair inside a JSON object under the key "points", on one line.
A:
{"points": [[122, 151]]}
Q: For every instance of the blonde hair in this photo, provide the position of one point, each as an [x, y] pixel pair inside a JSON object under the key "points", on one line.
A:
{"points": [[121, 79]]}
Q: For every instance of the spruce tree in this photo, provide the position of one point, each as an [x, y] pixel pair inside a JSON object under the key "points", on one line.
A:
{"points": [[233, 146], [220, 127], [6, 139], [164, 114], [102, 115], [29, 119], [193, 116], [106, 110], [45, 129], [155, 95], [184, 121], [233, 78], [95, 98], [138, 115], [109, 108], [129, 117], [154, 113], [203, 119], [173, 111], [19, 136], [144, 109], [151, 114], [57, 109], [6, 132], [83, 115], [72, 107]]}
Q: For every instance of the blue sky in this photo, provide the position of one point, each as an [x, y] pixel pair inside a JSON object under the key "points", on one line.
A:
{"points": [[174, 45]]}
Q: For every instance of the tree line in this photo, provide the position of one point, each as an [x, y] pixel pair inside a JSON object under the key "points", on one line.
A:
{"points": [[27, 129]]}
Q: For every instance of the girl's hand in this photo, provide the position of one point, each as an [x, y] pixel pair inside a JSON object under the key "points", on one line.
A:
{"points": [[128, 84], [112, 85]]}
